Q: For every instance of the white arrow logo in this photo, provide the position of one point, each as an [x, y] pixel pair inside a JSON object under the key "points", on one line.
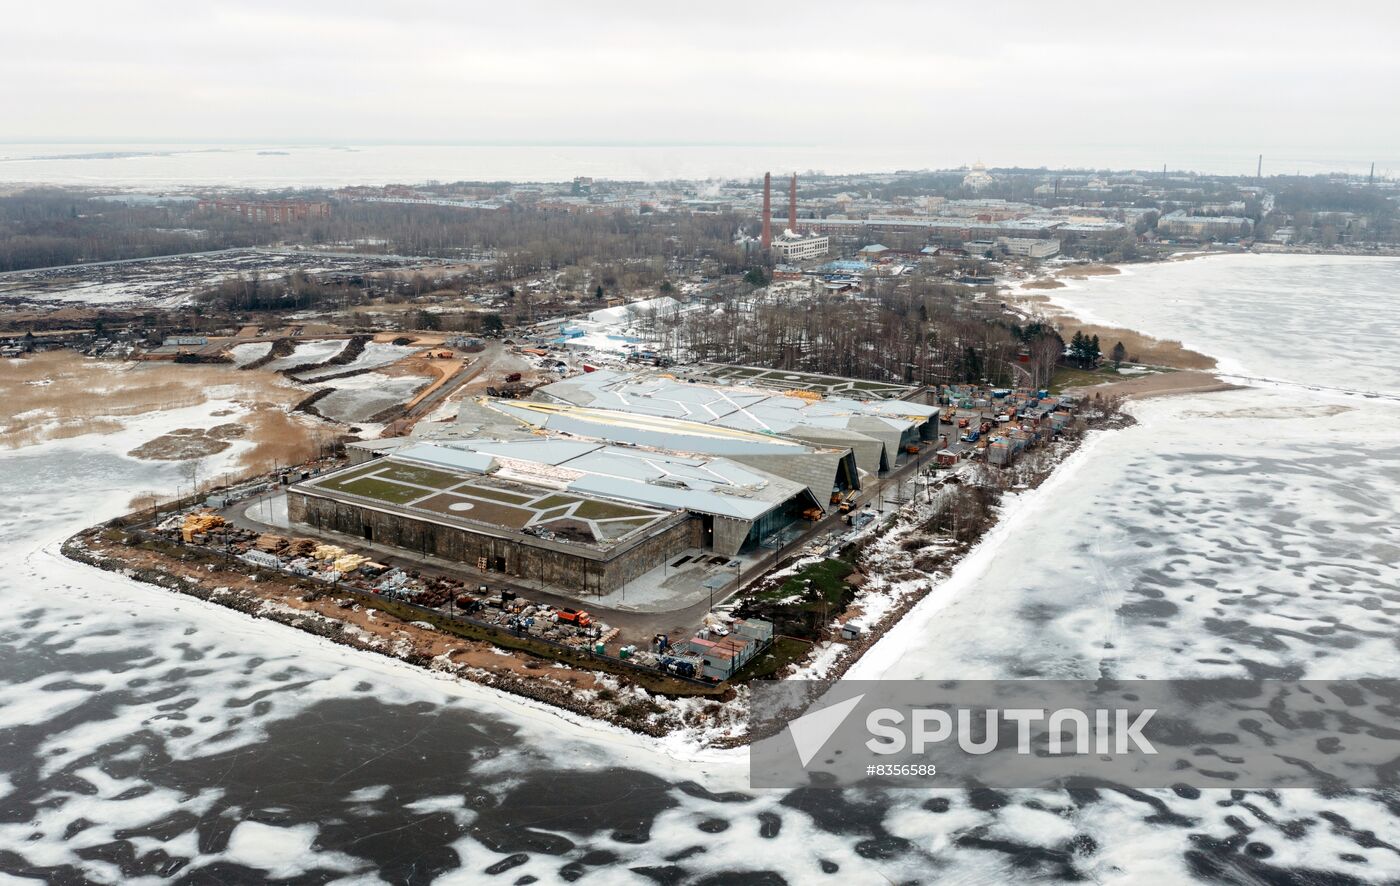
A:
{"points": [[811, 731]]}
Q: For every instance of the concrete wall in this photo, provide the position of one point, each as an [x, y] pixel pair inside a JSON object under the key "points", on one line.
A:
{"points": [[730, 535], [585, 572]]}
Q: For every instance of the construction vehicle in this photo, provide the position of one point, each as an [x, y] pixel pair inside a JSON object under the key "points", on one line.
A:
{"points": [[512, 391], [576, 617]]}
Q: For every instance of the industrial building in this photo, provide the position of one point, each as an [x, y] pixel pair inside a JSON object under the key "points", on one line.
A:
{"points": [[878, 432], [579, 514], [791, 247], [602, 478]]}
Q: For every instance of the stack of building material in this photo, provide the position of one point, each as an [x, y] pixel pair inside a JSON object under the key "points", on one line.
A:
{"points": [[302, 547], [271, 543], [328, 552], [199, 523], [349, 562]]}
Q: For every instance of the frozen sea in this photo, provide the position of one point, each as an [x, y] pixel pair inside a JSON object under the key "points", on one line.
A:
{"points": [[164, 166], [146, 738]]}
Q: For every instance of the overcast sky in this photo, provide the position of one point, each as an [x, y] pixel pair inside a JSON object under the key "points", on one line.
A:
{"points": [[1006, 82]]}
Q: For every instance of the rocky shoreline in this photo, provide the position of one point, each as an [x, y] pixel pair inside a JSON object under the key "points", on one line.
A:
{"points": [[587, 693], [610, 698]]}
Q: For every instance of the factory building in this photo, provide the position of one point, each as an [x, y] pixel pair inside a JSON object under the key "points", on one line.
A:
{"points": [[878, 432], [600, 479], [575, 513], [792, 247]]}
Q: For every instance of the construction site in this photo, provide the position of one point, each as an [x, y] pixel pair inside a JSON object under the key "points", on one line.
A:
{"points": [[651, 506], [633, 523]]}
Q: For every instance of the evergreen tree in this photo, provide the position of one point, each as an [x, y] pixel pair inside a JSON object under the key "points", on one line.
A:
{"points": [[1119, 353], [972, 365], [1078, 348]]}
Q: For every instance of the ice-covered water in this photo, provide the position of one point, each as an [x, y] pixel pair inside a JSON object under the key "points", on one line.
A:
{"points": [[146, 736], [1230, 534], [1311, 319], [162, 166]]}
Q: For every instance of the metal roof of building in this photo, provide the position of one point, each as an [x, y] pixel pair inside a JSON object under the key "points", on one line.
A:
{"points": [[739, 407], [644, 430], [473, 462], [697, 483], [758, 411]]}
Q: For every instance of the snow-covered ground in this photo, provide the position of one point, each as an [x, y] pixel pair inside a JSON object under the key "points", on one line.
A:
{"points": [[375, 354], [314, 351], [359, 397], [1171, 549], [247, 353], [172, 280]]}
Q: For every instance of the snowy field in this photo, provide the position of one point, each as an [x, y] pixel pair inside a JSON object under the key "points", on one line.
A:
{"points": [[360, 397], [169, 281], [247, 353], [307, 352], [375, 354], [150, 736]]}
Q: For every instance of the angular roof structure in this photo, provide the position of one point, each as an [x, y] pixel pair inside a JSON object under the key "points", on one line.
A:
{"points": [[876, 430]]}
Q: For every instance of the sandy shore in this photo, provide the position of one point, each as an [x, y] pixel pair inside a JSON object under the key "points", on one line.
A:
{"points": [[1192, 375], [1158, 384]]}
